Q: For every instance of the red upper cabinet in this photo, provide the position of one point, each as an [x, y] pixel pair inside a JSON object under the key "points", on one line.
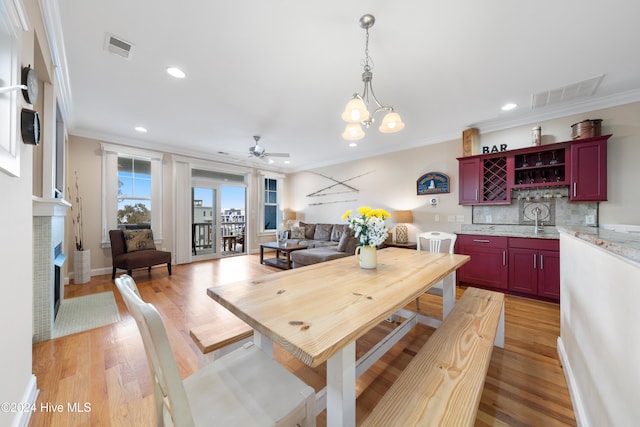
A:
{"points": [[483, 180], [589, 170], [469, 176]]}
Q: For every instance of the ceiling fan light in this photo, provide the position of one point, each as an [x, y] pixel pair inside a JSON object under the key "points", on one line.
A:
{"points": [[353, 132], [391, 123], [355, 111]]}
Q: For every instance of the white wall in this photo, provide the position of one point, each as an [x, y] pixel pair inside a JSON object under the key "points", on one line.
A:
{"points": [[387, 181], [599, 341], [16, 265]]}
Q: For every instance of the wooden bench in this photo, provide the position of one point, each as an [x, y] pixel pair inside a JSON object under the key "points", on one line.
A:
{"points": [[443, 383], [223, 333]]}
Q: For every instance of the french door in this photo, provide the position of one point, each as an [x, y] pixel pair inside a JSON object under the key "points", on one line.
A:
{"points": [[218, 221]]}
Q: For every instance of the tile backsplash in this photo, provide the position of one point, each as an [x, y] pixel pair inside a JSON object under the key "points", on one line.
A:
{"points": [[554, 205]]}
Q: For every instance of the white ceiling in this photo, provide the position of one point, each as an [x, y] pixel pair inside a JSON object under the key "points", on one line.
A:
{"points": [[285, 69]]}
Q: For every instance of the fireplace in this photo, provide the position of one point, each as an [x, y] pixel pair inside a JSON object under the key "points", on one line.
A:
{"points": [[58, 261], [48, 262]]}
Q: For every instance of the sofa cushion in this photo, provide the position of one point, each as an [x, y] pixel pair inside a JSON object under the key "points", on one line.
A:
{"points": [[297, 233], [138, 240], [352, 244], [315, 255], [323, 232], [342, 244], [337, 231], [309, 230]]}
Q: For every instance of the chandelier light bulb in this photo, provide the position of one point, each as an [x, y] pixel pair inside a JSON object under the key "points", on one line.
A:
{"points": [[353, 132], [391, 123], [355, 111]]}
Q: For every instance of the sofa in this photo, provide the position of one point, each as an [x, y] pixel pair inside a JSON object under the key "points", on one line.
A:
{"points": [[324, 242]]}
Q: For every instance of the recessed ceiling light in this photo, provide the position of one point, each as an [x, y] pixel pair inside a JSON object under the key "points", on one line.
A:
{"points": [[509, 106], [286, 162], [176, 72], [271, 161], [353, 144], [141, 129]]}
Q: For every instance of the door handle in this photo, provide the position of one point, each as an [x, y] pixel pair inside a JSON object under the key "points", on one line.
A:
{"points": [[534, 261], [476, 194], [575, 192], [541, 262], [504, 257], [481, 240]]}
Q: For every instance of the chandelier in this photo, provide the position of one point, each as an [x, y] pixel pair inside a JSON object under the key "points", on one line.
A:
{"points": [[356, 113]]}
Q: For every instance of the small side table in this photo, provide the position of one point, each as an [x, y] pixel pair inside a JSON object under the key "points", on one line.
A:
{"points": [[408, 245]]}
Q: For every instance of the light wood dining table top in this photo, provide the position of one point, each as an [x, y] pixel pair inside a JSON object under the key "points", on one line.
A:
{"points": [[316, 310]]}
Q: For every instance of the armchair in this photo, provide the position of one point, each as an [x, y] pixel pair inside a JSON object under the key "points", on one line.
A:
{"points": [[131, 256]]}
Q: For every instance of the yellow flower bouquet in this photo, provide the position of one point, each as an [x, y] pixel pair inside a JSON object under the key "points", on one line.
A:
{"points": [[369, 226]]}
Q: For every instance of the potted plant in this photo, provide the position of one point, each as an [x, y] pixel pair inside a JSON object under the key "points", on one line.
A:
{"points": [[370, 230], [82, 256]]}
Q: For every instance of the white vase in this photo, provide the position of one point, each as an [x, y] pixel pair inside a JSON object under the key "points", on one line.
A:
{"points": [[82, 266], [368, 257]]}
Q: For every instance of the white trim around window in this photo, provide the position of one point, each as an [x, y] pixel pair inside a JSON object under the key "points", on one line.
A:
{"points": [[110, 155], [262, 175]]}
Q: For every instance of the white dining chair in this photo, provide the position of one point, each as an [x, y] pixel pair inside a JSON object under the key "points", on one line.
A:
{"points": [[244, 388], [438, 241]]}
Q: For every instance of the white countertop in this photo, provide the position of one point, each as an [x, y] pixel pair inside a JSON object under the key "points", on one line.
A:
{"points": [[525, 231], [626, 245]]}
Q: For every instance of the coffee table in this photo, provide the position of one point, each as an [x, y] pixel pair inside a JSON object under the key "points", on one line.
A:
{"points": [[281, 248]]}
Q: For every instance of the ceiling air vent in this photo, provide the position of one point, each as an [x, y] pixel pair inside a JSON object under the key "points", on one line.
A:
{"points": [[570, 92], [118, 46]]}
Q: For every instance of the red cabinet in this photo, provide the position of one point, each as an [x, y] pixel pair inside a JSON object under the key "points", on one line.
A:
{"points": [[488, 264], [589, 170], [579, 164], [469, 176], [534, 267], [483, 180]]}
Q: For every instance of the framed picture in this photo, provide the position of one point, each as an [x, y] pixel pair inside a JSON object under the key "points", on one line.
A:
{"points": [[432, 183]]}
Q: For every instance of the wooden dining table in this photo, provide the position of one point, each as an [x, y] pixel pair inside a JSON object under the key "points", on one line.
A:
{"points": [[319, 311]]}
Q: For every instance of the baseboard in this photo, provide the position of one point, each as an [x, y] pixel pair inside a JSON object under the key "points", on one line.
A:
{"points": [[574, 393], [29, 399]]}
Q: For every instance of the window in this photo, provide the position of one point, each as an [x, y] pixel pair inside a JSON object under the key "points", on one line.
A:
{"points": [[270, 204], [134, 191], [271, 193], [131, 190]]}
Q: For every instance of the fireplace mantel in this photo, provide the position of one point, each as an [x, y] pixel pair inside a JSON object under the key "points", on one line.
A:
{"points": [[49, 206]]}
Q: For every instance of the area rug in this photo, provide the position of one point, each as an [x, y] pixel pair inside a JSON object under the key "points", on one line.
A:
{"points": [[84, 313]]}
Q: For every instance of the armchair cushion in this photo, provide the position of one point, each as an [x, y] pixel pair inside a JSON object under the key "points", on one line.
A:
{"points": [[139, 258], [139, 240]]}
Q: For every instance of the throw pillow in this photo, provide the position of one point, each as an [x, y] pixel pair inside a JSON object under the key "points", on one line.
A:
{"points": [[352, 243], [309, 230], [337, 231], [342, 245], [138, 240], [323, 232], [297, 233]]}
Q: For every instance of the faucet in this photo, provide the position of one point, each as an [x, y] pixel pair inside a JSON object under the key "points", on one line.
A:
{"points": [[537, 211]]}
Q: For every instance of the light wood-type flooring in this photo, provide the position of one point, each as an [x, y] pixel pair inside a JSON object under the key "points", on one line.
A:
{"points": [[104, 371]]}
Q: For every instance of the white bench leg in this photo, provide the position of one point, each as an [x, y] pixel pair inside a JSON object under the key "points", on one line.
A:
{"points": [[341, 387], [263, 342], [448, 294], [499, 341]]}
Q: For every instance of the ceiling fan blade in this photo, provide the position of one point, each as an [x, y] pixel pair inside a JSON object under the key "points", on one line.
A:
{"points": [[277, 154]]}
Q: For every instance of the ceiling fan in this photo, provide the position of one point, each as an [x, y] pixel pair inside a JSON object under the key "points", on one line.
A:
{"points": [[260, 152]]}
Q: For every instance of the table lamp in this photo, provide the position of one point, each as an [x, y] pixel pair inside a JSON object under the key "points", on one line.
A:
{"points": [[402, 218]]}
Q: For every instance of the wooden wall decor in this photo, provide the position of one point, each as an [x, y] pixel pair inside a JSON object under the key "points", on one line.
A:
{"points": [[470, 142], [342, 188]]}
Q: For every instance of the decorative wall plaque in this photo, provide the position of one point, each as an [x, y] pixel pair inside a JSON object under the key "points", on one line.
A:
{"points": [[432, 183]]}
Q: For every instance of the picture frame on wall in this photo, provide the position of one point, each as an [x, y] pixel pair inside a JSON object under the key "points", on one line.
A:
{"points": [[433, 183]]}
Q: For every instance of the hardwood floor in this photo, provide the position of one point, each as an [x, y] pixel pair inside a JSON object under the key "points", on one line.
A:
{"points": [[106, 368]]}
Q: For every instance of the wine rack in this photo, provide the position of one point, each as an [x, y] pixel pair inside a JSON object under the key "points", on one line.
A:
{"points": [[540, 169], [494, 180]]}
